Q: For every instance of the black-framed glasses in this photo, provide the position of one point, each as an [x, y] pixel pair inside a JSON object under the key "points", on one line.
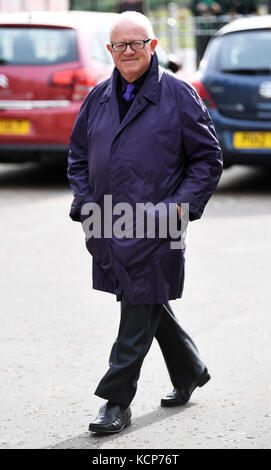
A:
{"points": [[135, 45]]}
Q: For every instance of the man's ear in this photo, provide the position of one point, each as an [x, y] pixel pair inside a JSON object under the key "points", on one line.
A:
{"points": [[154, 43], [109, 48]]}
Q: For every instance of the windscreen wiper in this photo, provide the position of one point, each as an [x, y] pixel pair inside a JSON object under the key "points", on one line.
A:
{"points": [[3, 61]]}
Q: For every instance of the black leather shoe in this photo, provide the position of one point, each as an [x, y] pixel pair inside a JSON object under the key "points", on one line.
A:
{"points": [[111, 418], [181, 396]]}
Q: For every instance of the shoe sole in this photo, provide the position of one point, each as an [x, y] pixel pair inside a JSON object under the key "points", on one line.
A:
{"points": [[97, 431], [203, 380]]}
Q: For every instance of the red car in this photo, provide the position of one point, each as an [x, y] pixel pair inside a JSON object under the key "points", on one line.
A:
{"points": [[49, 62]]}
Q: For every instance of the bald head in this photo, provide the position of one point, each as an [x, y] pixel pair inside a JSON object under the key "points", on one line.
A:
{"points": [[129, 19]]}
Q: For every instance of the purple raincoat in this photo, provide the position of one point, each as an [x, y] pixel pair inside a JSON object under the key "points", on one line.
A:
{"points": [[164, 150]]}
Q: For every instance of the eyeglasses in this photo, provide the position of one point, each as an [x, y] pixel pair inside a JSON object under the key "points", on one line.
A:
{"points": [[135, 45]]}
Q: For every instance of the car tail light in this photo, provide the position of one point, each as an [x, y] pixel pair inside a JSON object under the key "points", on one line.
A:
{"points": [[203, 93], [82, 81]]}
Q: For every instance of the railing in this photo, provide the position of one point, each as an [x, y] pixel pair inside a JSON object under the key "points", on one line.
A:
{"points": [[181, 32]]}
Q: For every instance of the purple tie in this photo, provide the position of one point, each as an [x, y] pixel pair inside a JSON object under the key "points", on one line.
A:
{"points": [[129, 95]]}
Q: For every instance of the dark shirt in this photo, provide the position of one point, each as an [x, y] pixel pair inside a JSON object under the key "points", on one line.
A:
{"points": [[125, 105]]}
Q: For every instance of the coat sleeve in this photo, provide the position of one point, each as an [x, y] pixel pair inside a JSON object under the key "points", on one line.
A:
{"points": [[203, 156], [77, 171]]}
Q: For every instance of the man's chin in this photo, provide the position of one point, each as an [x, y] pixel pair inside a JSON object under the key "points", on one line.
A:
{"points": [[131, 74], [130, 68]]}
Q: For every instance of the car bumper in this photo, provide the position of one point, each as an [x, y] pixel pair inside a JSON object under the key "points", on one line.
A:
{"points": [[226, 127], [48, 132]]}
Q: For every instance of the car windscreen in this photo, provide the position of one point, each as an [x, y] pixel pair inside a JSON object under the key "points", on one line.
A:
{"points": [[243, 52], [37, 46]]}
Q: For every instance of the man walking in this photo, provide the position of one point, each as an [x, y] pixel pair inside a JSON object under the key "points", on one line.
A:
{"points": [[141, 137]]}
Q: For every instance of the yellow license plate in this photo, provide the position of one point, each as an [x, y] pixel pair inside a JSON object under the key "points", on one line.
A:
{"points": [[14, 126], [252, 140]]}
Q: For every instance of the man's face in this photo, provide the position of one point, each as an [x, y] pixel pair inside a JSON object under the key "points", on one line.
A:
{"points": [[131, 64]]}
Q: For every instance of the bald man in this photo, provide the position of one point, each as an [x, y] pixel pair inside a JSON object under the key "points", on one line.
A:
{"points": [[142, 138]]}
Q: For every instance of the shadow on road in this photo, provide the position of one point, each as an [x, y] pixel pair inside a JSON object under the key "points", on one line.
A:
{"points": [[50, 174], [89, 440], [242, 190], [245, 180], [34, 175]]}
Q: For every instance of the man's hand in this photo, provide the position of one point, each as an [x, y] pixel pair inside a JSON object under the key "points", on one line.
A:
{"points": [[179, 209]]}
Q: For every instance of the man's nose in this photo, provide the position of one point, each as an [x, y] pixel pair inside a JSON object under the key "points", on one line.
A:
{"points": [[129, 50]]}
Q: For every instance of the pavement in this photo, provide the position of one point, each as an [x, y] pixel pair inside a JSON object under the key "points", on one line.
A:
{"points": [[56, 332]]}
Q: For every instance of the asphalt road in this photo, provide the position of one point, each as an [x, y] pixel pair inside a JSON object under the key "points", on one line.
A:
{"points": [[56, 332]]}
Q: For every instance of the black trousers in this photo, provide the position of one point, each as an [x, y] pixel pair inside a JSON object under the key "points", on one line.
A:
{"points": [[139, 324]]}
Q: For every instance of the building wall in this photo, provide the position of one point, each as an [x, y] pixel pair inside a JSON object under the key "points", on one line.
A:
{"points": [[33, 5]]}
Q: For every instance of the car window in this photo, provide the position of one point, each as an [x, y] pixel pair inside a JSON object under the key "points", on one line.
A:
{"points": [[244, 51], [98, 47], [37, 46]]}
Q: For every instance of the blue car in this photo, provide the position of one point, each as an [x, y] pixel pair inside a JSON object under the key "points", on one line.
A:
{"points": [[234, 80]]}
